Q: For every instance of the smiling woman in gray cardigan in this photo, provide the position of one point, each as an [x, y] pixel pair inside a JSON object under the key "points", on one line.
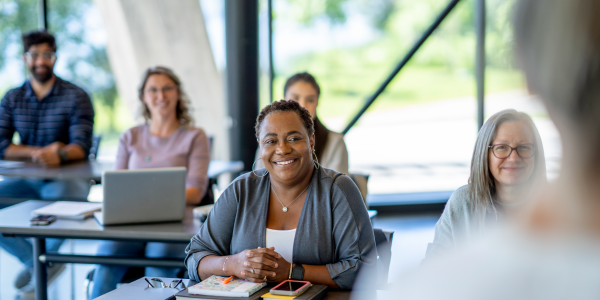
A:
{"points": [[334, 228], [333, 234]]}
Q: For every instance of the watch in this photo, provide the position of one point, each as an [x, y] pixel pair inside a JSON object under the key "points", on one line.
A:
{"points": [[297, 272], [63, 155]]}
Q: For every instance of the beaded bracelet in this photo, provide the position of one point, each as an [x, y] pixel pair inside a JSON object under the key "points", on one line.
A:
{"points": [[226, 258]]}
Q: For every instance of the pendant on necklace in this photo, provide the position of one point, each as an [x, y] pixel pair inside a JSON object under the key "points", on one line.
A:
{"points": [[285, 209], [147, 158]]}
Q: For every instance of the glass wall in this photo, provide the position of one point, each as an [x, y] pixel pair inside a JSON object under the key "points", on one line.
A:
{"points": [[419, 134], [81, 39], [15, 17], [81, 57]]}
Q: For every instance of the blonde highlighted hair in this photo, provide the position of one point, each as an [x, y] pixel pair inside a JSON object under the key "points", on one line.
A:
{"points": [[482, 186], [183, 109]]}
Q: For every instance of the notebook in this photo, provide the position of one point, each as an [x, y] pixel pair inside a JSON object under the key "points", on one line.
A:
{"points": [[11, 164], [315, 292], [185, 295], [68, 210], [214, 286]]}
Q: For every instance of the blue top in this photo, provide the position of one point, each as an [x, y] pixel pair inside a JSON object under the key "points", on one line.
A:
{"points": [[64, 115], [334, 228]]}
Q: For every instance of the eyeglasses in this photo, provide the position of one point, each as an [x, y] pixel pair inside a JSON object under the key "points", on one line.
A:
{"points": [[32, 56], [165, 90], [504, 151], [157, 283]]}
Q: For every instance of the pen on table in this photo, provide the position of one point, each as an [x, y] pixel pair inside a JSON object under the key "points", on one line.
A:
{"points": [[148, 282], [180, 280], [226, 281]]}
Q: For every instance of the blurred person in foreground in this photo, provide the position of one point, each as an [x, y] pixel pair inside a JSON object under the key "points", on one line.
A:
{"points": [[54, 119], [330, 147], [508, 164], [553, 251], [168, 139]]}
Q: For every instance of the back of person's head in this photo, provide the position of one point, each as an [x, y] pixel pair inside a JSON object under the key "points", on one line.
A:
{"points": [[38, 37], [481, 182], [285, 106], [558, 47], [183, 104], [305, 77]]}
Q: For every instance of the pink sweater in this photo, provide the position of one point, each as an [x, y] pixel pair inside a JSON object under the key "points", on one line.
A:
{"points": [[186, 147]]}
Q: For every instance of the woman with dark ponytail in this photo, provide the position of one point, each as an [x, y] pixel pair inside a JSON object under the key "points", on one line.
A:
{"points": [[330, 148]]}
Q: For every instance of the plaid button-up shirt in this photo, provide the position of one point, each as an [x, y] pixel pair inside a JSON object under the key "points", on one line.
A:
{"points": [[64, 115]]}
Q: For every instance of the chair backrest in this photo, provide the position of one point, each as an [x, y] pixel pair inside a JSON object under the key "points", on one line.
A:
{"points": [[361, 181], [211, 140], [95, 146], [209, 196], [383, 242]]}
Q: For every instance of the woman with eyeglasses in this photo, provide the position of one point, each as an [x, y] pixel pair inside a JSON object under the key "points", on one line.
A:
{"points": [[507, 166], [292, 219], [168, 139]]}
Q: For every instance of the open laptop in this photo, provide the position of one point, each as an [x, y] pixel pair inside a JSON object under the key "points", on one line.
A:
{"points": [[142, 196]]}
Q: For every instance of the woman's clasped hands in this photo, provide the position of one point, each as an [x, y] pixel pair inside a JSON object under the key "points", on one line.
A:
{"points": [[258, 265]]}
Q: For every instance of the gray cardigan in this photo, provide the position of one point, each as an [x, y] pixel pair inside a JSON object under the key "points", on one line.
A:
{"points": [[334, 228], [457, 225]]}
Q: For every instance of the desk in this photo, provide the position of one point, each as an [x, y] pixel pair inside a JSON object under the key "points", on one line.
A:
{"points": [[218, 167], [137, 291], [88, 170], [92, 170], [372, 214], [14, 221]]}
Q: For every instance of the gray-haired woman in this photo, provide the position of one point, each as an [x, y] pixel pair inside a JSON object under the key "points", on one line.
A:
{"points": [[507, 164]]}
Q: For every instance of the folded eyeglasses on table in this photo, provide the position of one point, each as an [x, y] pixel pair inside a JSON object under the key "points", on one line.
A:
{"points": [[157, 283]]}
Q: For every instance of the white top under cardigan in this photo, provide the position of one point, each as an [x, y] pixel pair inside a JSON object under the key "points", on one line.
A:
{"points": [[283, 241]]}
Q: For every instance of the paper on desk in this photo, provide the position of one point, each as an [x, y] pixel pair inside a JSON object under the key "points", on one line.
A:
{"points": [[68, 210], [11, 164]]}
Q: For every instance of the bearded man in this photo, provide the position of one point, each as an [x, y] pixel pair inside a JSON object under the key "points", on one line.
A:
{"points": [[54, 120]]}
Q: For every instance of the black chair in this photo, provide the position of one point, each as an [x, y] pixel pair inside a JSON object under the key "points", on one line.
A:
{"points": [[361, 181], [209, 195], [383, 243], [211, 140], [95, 146]]}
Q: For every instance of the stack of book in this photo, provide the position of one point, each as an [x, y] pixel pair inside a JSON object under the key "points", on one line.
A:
{"points": [[239, 289]]}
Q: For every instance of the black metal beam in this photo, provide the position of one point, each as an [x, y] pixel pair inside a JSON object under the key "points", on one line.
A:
{"points": [[480, 59], [113, 260], [43, 15], [271, 69], [402, 63], [39, 269], [241, 38]]}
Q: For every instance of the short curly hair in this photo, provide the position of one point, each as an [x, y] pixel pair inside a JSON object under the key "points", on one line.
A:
{"points": [[36, 38], [282, 106]]}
